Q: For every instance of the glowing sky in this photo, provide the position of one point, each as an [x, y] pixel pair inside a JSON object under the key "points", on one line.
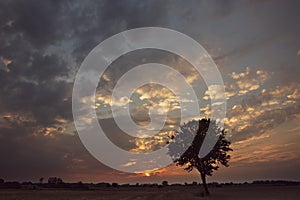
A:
{"points": [[255, 45]]}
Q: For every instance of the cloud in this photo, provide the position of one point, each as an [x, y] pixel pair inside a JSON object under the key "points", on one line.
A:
{"points": [[245, 82], [270, 147], [42, 44], [9, 120], [5, 63], [240, 84], [214, 92], [257, 109], [295, 95]]}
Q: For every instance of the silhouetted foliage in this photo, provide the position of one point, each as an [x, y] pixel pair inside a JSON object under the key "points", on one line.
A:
{"points": [[55, 181], [102, 184], [91, 186], [12, 185], [190, 158], [41, 180], [115, 185], [165, 183]]}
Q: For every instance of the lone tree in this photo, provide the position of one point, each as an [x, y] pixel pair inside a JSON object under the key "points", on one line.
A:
{"points": [[190, 158]]}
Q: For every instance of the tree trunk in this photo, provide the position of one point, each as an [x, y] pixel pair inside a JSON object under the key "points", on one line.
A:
{"points": [[203, 177]]}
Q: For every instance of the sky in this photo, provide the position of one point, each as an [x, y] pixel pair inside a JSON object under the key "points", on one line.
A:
{"points": [[255, 45]]}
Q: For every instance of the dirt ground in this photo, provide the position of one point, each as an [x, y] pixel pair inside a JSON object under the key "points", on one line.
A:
{"points": [[193, 192]]}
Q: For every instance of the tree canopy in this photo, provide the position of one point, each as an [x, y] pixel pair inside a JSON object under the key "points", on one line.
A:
{"points": [[186, 145]]}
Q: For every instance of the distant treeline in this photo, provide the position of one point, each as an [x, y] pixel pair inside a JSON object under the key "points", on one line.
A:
{"points": [[54, 182]]}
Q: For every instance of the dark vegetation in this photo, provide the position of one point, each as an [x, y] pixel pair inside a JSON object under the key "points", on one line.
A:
{"points": [[190, 158], [94, 186]]}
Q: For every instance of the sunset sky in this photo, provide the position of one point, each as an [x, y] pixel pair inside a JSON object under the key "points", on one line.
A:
{"points": [[255, 45]]}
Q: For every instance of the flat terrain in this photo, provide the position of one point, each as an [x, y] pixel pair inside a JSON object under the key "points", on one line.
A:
{"points": [[243, 192]]}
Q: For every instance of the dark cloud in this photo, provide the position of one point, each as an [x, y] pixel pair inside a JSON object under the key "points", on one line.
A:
{"points": [[97, 21], [265, 28], [28, 157], [38, 84], [39, 22], [47, 40]]}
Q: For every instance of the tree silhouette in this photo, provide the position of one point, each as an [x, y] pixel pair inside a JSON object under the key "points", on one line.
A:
{"points": [[55, 181], [41, 180], [195, 132], [164, 183]]}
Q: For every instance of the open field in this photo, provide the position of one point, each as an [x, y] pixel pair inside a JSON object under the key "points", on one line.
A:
{"points": [[193, 192]]}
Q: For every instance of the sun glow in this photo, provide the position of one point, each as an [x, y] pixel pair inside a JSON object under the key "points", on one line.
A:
{"points": [[147, 174]]}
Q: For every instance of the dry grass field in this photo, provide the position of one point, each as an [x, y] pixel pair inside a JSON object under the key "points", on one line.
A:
{"points": [[242, 192]]}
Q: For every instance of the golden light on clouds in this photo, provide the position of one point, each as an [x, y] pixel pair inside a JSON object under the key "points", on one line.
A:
{"points": [[4, 63], [245, 82], [50, 131], [153, 143], [271, 101], [43, 49], [250, 103], [11, 119], [154, 172], [129, 164]]}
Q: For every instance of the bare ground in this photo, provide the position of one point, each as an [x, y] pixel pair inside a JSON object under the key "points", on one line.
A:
{"points": [[243, 192]]}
